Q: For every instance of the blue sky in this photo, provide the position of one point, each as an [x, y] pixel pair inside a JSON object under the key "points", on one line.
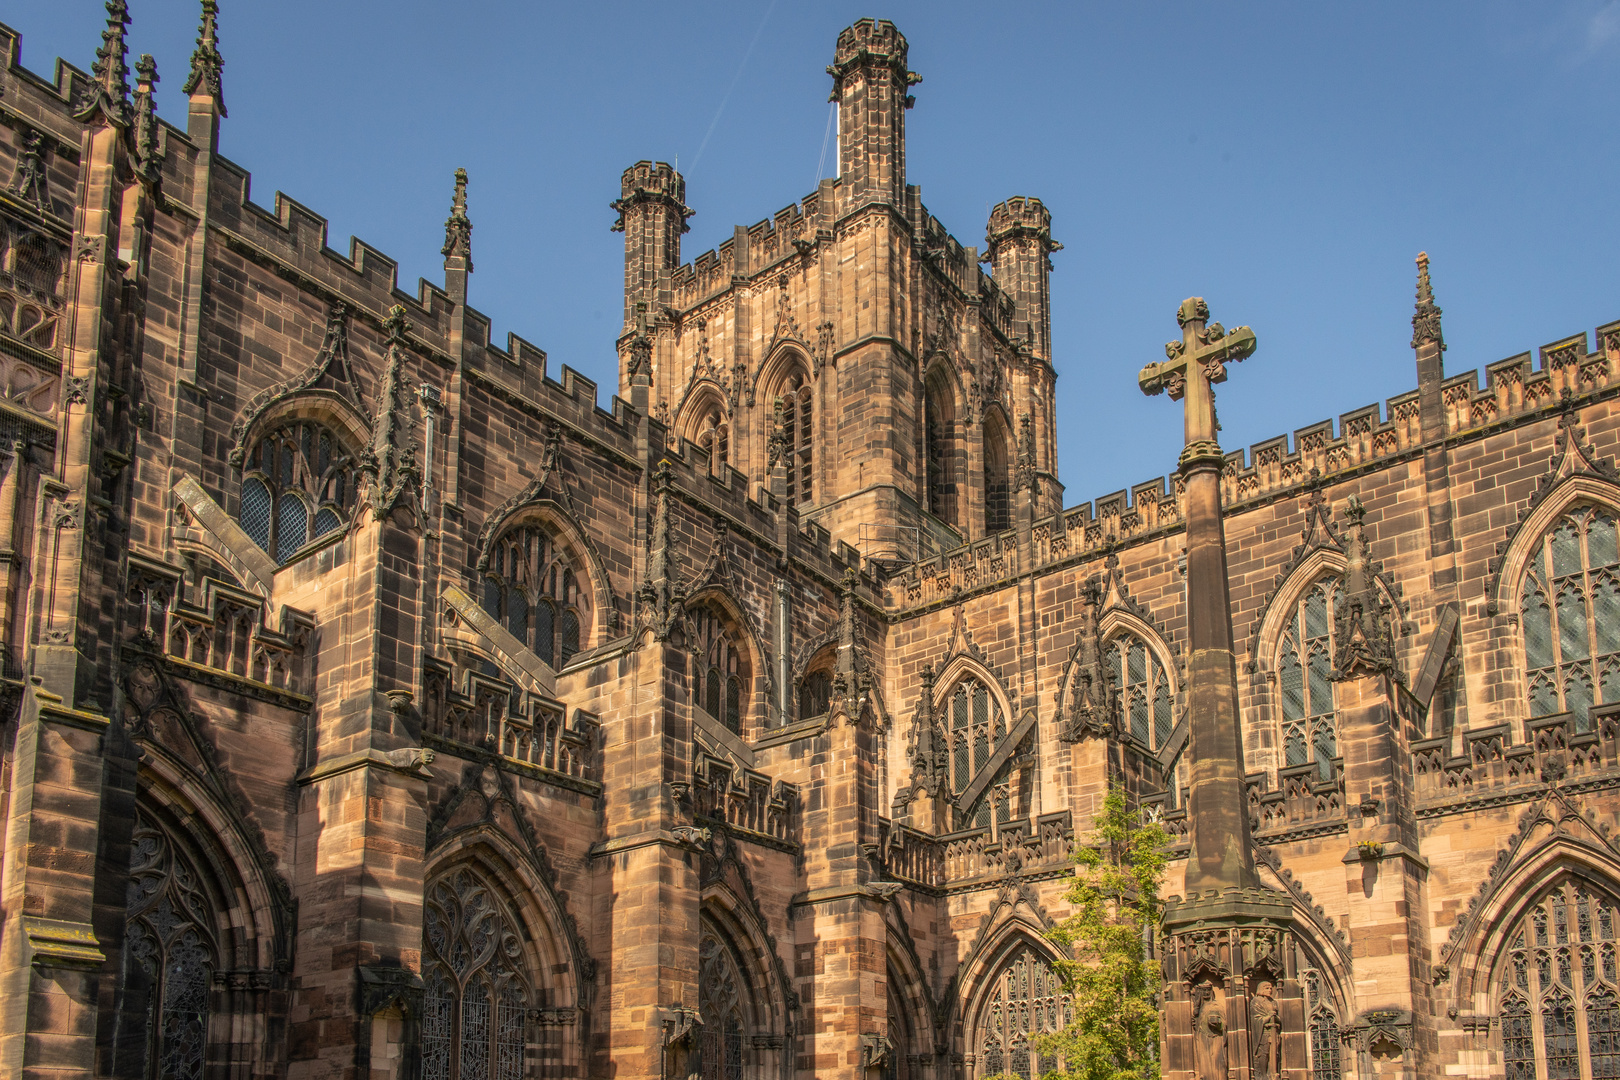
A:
{"points": [[1286, 161]]}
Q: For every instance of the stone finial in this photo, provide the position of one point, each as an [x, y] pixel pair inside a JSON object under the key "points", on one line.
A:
{"points": [[458, 226], [109, 86], [206, 62], [147, 157], [1426, 318]]}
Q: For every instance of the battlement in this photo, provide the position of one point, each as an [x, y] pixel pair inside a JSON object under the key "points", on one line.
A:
{"points": [[1515, 390], [869, 41], [1019, 216], [653, 183]]}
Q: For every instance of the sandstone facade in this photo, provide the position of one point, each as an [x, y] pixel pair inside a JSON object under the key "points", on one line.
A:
{"points": [[379, 705]]}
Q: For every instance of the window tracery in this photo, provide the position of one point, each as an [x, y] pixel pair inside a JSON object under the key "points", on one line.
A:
{"points": [[1557, 987], [170, 951], [815, 695], [976, 727], [298, 485], [1028, 1000], [721, 669], [1305, 682], [1325, 1040], [476, 996], [714, 435], [531, 590], [1569, 607], [722, 995], [1146, 703]]}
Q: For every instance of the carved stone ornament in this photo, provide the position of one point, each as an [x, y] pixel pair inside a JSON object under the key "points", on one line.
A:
{"points": [[694, 837], [1365, 638], [31, 182], [206, 62], [876, 1051], [458, 226]]}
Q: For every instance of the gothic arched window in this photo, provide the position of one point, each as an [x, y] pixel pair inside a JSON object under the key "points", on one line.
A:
{"points": [[531, 590], [1028, 1000], [1145, 702], [477, 996], [714, 435], [1557, 986], [722, 1003], [798, 431], [1305, 682], [1325, 1040], [721, 675], [939, 436], [170, 951], [997, 477], [1569, 606], [976, 726], [815, 695], [298, 485]]}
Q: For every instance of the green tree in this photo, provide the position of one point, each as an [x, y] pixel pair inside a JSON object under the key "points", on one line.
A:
{"points": [[1113, 1028]]}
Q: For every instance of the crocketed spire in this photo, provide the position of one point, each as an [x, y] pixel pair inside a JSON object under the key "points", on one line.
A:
{"points": [[458, 226], [109, 86], [206, 62], [146, 134], [1426, 319]]}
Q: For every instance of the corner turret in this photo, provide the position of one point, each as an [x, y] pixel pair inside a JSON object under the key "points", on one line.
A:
{"points": [[1018, 244], [652, 215]]}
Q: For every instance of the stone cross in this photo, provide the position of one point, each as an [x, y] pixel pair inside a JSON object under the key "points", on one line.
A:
{"points": [[1217, 804], [1203, 351]]}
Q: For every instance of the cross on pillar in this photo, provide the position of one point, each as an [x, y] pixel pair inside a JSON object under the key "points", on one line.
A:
{"points": [[1203, 352]]}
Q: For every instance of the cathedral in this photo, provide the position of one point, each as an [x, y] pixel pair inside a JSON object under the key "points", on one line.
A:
{"points": [[383, 701]]}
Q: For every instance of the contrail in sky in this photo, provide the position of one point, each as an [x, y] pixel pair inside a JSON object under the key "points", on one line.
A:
{"points": [[704, 144]]}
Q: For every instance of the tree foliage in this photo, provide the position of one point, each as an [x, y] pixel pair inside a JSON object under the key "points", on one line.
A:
{"points": [[1113, 980]]}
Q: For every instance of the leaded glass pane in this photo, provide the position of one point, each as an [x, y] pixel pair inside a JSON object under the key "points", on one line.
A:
{"points": [[256, 511], [509, 1035], [1559, 1038], [711, 700], [1518, 1041], [1321, 668], [1162, 721], [475, 1032], [438, 1005], [733, 716], [1603, 1035], [1578, 700], [1606, 613], [326, 520], [1543, 698], [1139, 715], [1572, 643], [1316, 614], [1600, 542], [1291, 680], [517, 614], [545, 631], [1537, 618], [292, 526], [1566, 549], [1138, 663], [569, 645], [1325, 1047], [474, 1005], [1028, 1000]]}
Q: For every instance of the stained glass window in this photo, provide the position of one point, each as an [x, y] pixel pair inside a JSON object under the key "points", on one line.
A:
{"points": [[976, 730], [1144, 691], [940, 432], [1028, 1000], [1325, 1039], [723, 1000], [298, 484], [476, 995], [531, 591], [1569, 611], [170, 951], [1304, 680], [1557, 980]]}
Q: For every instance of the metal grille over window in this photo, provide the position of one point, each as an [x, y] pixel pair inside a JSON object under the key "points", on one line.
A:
{"points": [[976, 729], [170, 950], [722, 996], [476, 996], [1028, 1000], [1304, 680], [530, 590], [1144, 692], [298, 484], [797, 426], [1569, 607], [1557, 987], [722, 670]]}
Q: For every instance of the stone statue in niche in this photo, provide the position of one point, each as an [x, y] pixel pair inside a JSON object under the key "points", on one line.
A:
{"points": [[1209, 1033], [1266, 1024]]}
